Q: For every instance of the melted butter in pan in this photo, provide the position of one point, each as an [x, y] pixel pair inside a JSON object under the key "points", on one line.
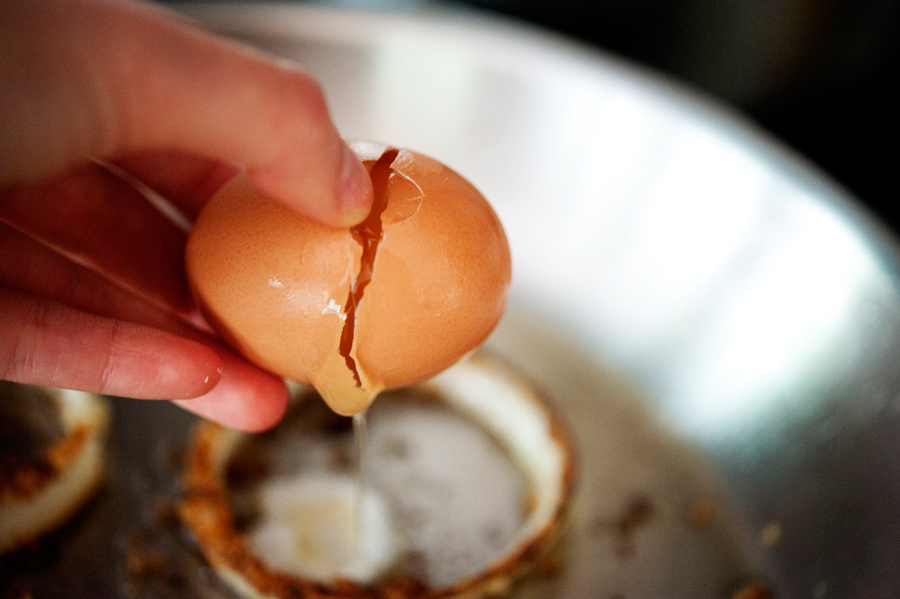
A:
{"points": [[442, 497]]}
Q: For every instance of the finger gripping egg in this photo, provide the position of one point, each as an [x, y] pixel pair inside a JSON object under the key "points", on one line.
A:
{"points": [[400, 297]]}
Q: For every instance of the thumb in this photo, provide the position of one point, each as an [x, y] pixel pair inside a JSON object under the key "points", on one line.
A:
{"points": [[101, 79]]}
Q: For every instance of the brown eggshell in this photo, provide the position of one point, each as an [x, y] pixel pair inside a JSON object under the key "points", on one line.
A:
{"points": [[441, 278], [264, 277], [275, 284]]}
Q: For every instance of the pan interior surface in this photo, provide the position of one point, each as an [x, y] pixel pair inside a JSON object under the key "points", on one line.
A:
{"points": [[750, 302], [718, 321]]}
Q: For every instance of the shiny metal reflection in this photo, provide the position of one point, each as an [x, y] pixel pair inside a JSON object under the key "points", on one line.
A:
{"points": [[749, 298], [720, 322]]}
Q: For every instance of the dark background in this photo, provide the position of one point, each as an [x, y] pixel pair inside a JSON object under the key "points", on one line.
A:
{"points": [[815, 73]]}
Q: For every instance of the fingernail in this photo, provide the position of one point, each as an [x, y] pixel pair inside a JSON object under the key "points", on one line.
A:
{"points": [[354, 190]]}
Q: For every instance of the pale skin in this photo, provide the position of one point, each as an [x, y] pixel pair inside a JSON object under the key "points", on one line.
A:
{"points": [[93, 294]]}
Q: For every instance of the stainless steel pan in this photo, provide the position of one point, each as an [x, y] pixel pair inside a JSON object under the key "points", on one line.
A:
{"points": [[718, 320]]}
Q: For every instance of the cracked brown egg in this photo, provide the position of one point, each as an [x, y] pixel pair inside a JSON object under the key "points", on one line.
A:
{"points": [[400, 297]]}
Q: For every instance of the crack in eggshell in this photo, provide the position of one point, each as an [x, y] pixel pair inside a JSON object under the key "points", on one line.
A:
{"points": [[397, 197], [368, 234]]}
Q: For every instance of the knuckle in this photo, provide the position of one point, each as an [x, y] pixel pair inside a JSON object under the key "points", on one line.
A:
{"points": [[23, 355], [302, 104], [106, 370]]}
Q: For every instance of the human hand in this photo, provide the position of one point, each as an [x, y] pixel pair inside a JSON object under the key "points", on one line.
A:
{"points": [[93, 294]]}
